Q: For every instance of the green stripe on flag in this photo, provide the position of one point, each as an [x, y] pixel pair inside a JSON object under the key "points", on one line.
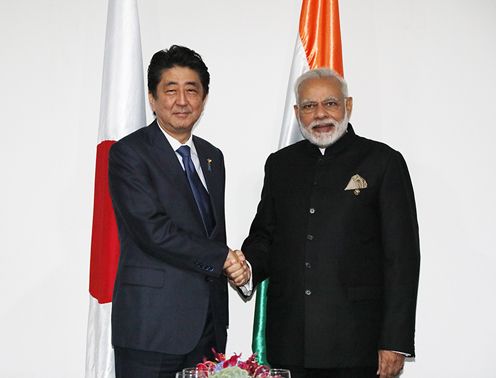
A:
{"points": [[258, 342]]}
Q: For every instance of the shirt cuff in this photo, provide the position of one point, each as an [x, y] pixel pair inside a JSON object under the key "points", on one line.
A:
{"points": [[403, 353], [247, 288]]}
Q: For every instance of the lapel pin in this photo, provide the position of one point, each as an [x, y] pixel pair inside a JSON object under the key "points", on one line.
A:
{"points": [[209, 165]]}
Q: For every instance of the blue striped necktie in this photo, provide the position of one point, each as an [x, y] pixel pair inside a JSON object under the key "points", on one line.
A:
{"points": [[201, 195]]}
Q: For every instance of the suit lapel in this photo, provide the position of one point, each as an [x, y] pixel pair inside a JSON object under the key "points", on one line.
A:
{"points": [[211, 173]]}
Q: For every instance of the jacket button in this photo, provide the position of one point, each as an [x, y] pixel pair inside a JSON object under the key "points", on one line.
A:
{"points": [[308, 265], [310, 237], [312, 210], [308, 292]]}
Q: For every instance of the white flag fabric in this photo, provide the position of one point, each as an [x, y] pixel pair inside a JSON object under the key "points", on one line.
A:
{"points": [[122, 106], [290, 132], [122, 110]]}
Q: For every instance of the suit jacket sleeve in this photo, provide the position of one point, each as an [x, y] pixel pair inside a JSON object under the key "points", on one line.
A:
{"points": [[137, 206], [401, 257], [257, 244]]}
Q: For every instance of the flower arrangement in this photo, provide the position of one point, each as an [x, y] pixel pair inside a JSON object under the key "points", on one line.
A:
{"points": [[233, 367]]}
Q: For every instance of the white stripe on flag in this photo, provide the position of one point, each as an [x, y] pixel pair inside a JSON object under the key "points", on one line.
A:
{"points": [[290, 131]]}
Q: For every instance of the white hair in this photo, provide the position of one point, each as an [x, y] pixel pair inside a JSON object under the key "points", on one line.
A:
{"points": [[320, 73]]}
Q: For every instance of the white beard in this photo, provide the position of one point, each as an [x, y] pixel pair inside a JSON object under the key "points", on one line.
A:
{"points": [[322, 139]]}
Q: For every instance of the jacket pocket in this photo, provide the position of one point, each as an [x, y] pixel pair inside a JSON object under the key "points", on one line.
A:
{"points": [[135, 275]]}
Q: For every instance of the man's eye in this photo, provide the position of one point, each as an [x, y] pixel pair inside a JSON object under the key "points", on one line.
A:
{"points": [[170, 91], [330, 104], [309, 106]]}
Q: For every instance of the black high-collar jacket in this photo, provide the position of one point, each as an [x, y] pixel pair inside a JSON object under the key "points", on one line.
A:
{"points": [[343, 264]]}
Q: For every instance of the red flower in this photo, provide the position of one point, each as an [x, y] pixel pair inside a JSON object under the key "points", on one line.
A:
{"points": [[233, 361], [251, 365]]}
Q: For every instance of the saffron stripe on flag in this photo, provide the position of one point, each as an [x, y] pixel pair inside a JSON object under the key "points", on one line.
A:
{"points": [[320, 33]]}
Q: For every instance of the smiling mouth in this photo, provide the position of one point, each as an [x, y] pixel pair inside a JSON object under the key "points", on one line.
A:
{"points": [[323, 128]]}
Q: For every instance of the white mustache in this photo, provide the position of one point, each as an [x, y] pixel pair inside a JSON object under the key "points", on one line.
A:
{"points": [[323, 122]]}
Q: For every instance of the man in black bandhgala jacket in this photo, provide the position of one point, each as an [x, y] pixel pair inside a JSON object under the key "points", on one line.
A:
{"points": [[336, 233]]}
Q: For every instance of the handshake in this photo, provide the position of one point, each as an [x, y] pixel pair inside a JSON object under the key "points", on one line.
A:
{"points": [[236, 268]]}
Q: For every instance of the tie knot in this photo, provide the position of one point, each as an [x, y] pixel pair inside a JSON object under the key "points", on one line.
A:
{"points": [[184, 151]]}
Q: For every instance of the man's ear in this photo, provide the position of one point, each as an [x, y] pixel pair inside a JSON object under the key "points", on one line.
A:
{"points": [[349, 105], [296, 110], [151, 100]]}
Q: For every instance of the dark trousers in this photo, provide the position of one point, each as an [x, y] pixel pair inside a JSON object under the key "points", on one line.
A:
{"points": [[131, 363], [356, 372]]}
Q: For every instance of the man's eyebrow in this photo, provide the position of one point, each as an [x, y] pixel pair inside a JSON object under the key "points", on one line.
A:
{"points": [[330, 98], [194, 83]]}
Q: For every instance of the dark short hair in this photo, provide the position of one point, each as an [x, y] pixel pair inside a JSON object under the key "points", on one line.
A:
{"points": [[176, 56]]}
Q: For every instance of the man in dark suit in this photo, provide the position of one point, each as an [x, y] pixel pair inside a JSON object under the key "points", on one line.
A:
{"points": [[336, 232], [170, 298]]}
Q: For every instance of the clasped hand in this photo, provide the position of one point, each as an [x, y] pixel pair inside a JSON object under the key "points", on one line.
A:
{"points": [[236, 268]]}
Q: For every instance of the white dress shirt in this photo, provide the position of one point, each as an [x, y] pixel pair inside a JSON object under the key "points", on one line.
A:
{"points": [[175, 144]]}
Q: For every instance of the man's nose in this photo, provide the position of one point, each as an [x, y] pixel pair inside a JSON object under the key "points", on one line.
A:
{"points": [[181, 98], [320, 111]]}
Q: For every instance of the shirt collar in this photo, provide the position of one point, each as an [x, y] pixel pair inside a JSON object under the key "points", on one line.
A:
{"points": [[175, 144]]}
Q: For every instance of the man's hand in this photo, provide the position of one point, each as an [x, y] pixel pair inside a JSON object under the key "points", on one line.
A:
{"points": [[236, 268], [390, 363]]}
